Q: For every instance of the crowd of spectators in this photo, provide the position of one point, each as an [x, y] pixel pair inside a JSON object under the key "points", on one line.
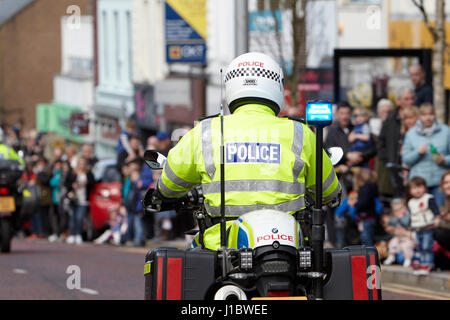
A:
{"points": [[394, 174], [59, 180]]}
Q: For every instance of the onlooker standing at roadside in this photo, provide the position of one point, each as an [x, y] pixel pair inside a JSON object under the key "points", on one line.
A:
{"points": [[423, 91], [423, 210], [55, 221], [87, 152], [29, 181], [44, 175], [365, 205], [80, 184], [124, 138], [427, 151], [409, 117], [398, 225], [390, 138], [384, 107], [164, 143], [360, 137], [146, 181], [70, 154], [64, 201], [125, 157], [131, 203]]}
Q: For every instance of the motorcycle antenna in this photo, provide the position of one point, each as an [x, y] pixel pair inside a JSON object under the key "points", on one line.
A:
{"points": [[223, 226], [223, 223]]}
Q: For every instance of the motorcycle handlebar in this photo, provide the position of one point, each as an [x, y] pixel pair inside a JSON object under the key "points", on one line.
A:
{"points": [[191, 198]]}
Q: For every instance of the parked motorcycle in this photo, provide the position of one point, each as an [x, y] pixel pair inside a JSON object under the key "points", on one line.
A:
{"points": [[10, 201], [268, 254]]}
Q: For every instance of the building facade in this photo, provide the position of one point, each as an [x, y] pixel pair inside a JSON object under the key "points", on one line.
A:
{"points": [[114, 94], [30, 55]]}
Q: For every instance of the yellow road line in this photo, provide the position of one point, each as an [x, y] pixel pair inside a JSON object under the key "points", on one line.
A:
{"points": [[415, 291], [406, 287]]}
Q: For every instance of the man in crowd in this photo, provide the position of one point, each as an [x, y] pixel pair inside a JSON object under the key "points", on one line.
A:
{"points": [[125, 157], [163, 143], [423, 91], [390, 139], [87, 151], [338, 137]]}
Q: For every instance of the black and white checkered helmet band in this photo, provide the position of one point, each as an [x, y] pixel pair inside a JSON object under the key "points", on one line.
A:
{"points": [[253, 72]]}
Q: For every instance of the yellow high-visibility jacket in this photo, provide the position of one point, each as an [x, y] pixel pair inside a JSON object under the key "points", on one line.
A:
{"points": [[8, 153], [269, 163]]}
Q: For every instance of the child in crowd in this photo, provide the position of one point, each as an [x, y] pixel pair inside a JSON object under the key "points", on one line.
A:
{"points": [[123, 142], [423, 209], [365, 205], [117, 227], [360, 137], [340, 215], [398, 224], [132, 197]]}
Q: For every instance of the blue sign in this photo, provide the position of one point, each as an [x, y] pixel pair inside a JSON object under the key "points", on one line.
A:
{"points": [[319, 113], [183, 43], [186, 53], [253, 152], [265, 21]]}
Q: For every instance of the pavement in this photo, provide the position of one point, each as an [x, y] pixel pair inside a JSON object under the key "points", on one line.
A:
{"points": [[437, 281]]}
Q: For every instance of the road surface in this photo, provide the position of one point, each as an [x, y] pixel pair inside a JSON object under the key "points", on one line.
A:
{"points": [[42, 270]]}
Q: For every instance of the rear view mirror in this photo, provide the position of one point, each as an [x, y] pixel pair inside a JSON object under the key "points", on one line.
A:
{"points": [[154, 159]]}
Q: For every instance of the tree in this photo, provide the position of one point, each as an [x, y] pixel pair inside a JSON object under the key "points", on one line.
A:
{"points": [[291, 49], [437, 31]]}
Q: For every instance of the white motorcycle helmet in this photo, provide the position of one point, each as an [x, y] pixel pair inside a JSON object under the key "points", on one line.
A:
{"points": [[254, 77]]}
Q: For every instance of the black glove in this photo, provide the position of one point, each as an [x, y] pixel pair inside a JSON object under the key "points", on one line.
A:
{"points": [[152, 201]]}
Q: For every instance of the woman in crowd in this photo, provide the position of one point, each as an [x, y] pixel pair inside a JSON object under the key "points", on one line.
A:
{"points": [[427, 150], [79, 184]]}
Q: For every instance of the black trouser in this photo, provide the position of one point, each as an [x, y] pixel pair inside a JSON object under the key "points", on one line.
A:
{"points": [[442, 236], [55, 219], [44, 212]]}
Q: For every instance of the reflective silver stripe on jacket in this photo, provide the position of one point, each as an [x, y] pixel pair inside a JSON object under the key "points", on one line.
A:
{"points": [[169, 192], [288, 206], [177, 180], [255, 185], [326, 184], [208, 148], [297, 149], [333, 195]]}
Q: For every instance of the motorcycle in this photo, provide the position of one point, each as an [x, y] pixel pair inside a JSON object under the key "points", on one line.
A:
{"points": [[266, 254], [10, 201]]}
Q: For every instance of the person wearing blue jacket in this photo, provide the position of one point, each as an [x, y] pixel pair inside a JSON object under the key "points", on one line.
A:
{"points": [[427, 150], [348, 209], [55, 212]]}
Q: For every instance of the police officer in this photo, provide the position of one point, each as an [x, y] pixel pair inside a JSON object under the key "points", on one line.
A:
{"points": [[269, 161], [8, 153]]}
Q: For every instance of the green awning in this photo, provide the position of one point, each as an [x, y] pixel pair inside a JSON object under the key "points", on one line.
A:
{"points": [[55, 117]]}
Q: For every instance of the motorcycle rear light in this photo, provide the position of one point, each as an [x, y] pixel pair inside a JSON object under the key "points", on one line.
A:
{"points": [[275, 267], [305, 260], [4, 191], [278, 294], [246, 258]]}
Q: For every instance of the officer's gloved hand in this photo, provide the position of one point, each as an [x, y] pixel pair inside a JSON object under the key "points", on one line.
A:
{"points": [[336, 202], [152, 201]]}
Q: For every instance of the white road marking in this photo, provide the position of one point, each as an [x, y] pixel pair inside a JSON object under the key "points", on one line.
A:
{"points": [[89, 291], [20, 271]]}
